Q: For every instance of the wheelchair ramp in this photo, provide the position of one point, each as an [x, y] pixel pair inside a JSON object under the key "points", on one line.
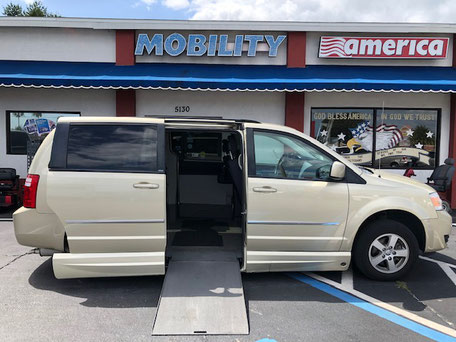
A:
{"points": [[201, 297]]}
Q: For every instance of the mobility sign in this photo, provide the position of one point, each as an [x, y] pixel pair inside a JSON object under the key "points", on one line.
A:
{"points": [[212, 45], [383, 47]]}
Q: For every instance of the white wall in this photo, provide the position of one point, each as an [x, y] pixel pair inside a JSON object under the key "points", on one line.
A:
{"points": [[261, 106], [393, 100], [88, 102], [57, 44], [266, 107], [313, 43]]}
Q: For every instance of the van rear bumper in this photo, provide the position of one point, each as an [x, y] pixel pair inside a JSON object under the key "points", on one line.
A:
{"points": [[38, 230], [437, 231]]}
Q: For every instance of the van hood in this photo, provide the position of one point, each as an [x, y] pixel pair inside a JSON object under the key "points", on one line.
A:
{"points": [[402, 179]]}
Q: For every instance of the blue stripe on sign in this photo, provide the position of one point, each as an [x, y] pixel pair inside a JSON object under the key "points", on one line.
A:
{"points": [[392, 317]]}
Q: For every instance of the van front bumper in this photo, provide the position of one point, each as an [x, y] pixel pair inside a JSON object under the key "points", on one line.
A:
{"points": [[34, 229], [437, 231]]}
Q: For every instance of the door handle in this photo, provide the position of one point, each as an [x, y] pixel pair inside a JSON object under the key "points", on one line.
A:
{"points": [[265, 189], [145, 185]]}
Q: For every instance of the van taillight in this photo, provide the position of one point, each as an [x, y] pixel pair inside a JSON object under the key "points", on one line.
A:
{"points": [[30, 187]]}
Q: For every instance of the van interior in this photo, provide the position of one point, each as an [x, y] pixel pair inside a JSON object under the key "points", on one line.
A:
{"points": [[204, 192]]}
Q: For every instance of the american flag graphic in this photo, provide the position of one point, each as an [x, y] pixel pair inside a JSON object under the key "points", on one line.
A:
{"points": [[388, 136], [332, 47]]}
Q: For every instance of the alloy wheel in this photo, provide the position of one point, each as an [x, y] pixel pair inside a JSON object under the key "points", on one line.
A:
{"points": [[389, 253]]}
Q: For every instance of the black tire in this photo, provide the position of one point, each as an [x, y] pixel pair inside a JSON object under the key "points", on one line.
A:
{"points": [[375, 230]]}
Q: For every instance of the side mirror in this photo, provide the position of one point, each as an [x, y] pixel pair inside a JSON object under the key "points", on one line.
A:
{"points": [[337, 171]]}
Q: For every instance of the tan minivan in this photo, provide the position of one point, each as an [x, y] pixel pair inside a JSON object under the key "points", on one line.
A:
{"points": [[118, 196]]}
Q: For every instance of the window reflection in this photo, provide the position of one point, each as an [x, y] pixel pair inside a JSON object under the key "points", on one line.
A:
{"points": [[30, 128], [406, 137], [390, 138], [346, 131], [112, 148], [282, 156]]}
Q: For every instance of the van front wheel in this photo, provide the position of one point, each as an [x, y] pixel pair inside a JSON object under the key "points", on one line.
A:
{"points": [[385, 250]]}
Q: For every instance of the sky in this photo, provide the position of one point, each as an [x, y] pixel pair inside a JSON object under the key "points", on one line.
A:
{"points": [[432, 11]]}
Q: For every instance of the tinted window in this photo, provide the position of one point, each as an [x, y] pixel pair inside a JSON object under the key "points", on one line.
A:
{"points": [[112, 148], [282, 156]]}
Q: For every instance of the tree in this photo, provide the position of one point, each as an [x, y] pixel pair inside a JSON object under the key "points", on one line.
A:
{"points": [[35, 9], [18, 115], [13, 10]]}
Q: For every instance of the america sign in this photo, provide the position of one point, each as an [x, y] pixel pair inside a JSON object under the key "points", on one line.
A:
{"points": [[383, 47]]}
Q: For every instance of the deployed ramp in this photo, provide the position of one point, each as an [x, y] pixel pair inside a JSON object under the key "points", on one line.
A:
{"points": [[202, 295]]}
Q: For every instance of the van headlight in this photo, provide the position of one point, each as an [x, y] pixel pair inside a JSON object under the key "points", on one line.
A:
{"points": [[436, 201]]}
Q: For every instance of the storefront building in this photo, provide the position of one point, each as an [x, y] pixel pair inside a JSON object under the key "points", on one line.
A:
{"points": [[383, 95]]}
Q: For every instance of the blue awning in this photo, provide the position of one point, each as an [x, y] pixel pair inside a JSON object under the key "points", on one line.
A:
{"points": [[226, 77]]}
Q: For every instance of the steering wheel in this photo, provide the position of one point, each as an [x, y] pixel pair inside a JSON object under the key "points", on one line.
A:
{"points": [[323, 172]]}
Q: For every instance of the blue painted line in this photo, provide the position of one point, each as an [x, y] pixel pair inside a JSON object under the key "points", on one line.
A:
{"points": [[392, 317], [266, 340]]}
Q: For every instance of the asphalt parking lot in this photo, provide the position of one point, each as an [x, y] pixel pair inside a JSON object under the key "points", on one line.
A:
{"points": [[281, 307]]}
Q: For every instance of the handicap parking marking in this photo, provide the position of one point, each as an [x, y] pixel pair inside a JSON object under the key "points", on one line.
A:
{"points": [[387, 311], [445, 266]]}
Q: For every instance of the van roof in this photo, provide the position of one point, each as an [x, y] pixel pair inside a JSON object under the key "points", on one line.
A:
{"points": [[149, 118], [199, 118]]}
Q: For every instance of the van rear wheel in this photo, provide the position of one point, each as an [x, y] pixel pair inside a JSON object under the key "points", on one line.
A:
{"points": [[385, 250]]}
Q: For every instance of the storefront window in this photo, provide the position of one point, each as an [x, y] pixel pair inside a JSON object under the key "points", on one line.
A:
{"points": [[23, 128], [401, 137], [406, 137], [346, 131]]}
